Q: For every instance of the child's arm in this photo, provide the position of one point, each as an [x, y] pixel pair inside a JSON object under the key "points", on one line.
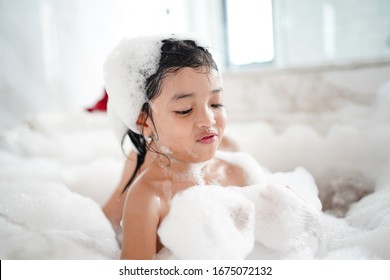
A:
{"points": [[140, 222]]}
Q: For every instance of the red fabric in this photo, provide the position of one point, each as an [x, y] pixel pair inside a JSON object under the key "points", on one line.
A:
{"points": [[101, 105]]}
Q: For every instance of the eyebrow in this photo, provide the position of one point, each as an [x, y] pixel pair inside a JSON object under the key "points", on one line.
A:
{"points": [[182, 95], [217, 90]]}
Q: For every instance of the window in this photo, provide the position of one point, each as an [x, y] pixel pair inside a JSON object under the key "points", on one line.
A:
{"points": [[249, 32]]}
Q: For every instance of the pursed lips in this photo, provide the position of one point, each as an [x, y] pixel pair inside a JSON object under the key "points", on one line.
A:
{"points": [[207, 138]]}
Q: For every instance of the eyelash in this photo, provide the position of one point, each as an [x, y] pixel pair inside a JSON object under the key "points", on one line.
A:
{"points": [[216, 106], [186, 112]]}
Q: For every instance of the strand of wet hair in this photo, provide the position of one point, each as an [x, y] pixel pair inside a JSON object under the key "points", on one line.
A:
{"points": [[139, 143]]}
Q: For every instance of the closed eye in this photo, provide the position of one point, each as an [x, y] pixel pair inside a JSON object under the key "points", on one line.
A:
{"points": [[185, 112], [218, 105]]}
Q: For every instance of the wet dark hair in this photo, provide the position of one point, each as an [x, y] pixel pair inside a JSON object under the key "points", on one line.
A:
{"points": [[175, 55]]}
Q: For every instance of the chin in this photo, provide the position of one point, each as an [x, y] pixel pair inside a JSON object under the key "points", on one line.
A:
{"points": [[197, 156]]}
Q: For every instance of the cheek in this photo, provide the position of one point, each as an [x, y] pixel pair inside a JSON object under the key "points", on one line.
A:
{"points": [[169, 130], [176, 133], [221, 119]]}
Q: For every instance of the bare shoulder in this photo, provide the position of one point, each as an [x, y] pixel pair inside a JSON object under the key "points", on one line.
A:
{"points": [[243, 166], [142, 196]]}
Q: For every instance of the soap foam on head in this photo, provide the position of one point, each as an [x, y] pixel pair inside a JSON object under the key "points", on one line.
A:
{"points": [[125, 72]]}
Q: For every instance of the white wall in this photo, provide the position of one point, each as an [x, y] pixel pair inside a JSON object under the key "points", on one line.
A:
{"points": [[51, 53]]}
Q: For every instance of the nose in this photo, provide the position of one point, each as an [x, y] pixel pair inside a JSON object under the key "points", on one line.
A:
{"points": [[206, 118]]}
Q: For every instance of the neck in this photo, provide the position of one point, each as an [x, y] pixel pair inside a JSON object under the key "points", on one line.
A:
{"points": [[181, 171]]}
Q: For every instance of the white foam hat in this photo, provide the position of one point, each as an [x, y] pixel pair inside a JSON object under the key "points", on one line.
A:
{"points": [[126, 70]]}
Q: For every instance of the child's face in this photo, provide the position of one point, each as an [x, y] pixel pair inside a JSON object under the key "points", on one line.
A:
{"points": [[188, 115]]}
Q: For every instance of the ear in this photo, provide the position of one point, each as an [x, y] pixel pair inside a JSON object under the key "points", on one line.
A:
{"points": [[143, 124]]}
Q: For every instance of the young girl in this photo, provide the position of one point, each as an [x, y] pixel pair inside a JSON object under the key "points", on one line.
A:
{"points": [[176, 87]]}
